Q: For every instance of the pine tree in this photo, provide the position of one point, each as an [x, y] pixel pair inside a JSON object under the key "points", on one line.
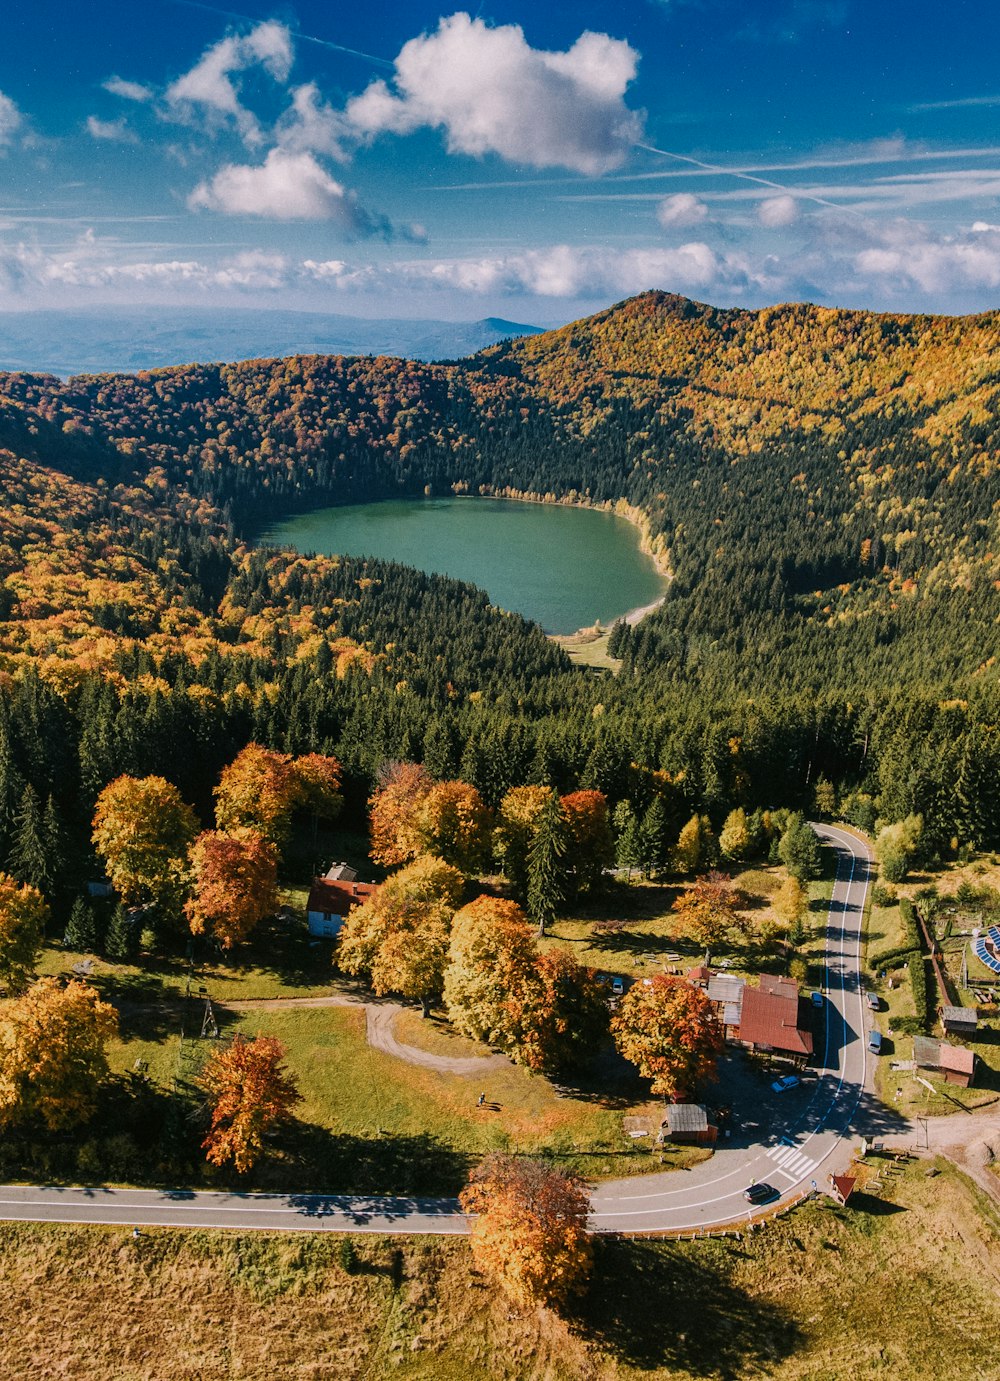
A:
{"points": [[81, 928], [28, 861], [628, 848], [547, 879], [120, 941], [54, 841], [653, 839]]}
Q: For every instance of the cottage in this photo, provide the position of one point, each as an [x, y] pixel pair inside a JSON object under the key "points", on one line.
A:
{"points": [[955, 1062], [330, 903], [774, 1020], [688, 1124]]}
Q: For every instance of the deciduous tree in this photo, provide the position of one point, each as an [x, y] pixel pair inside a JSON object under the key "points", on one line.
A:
{"points": [[735, 840], [517, 819], [668, 1029], [529, 1231], [142, 831], [23, 917], [261, 790], [590, 847], [710, 908], [562, 1014], [53, 1054], [791, 902], [393, 812], [250, 1093], [491, 961], [398, 938], [697, 847], [453, 823], [234, 879]]}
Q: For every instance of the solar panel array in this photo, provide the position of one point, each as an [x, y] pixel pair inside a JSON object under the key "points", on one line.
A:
{"points": [[981, 952]]}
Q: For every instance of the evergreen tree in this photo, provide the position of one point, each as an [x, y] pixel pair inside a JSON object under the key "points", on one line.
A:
{"points": [[799, 851], [654, 844], [121, 940], [54, 841], [81, 928], [28, 861], [628, 846], [547, 879]]}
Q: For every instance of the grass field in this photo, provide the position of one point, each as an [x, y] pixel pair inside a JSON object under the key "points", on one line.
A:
{"points": [[907, 1290]]}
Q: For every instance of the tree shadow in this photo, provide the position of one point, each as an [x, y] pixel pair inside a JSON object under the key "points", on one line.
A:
{"points": [[147, 1009], [655, 1305], [319, 1161]]}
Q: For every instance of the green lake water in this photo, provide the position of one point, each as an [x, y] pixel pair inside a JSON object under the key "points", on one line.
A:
{"points": [[567, 568]]}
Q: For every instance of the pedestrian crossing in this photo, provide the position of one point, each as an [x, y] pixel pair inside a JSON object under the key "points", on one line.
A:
{"points": [[791, 1162]]}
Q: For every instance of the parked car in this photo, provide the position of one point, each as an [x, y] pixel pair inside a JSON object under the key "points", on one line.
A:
{"points": [[786, 1082], [873, 1001], [617, 986], [816, 999], [760, 1193], [875, 1042]]}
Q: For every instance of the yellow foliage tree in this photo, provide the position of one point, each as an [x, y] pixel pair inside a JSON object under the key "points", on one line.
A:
{"points": [[23, 917], [52, 1054], [529, 1231], [142, 831]]}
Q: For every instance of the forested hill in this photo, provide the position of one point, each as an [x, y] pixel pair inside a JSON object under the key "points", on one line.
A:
{"points": [[825, 483]]}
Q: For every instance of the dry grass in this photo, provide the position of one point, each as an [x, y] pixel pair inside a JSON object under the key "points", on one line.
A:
{"points": [[907, 1290]]}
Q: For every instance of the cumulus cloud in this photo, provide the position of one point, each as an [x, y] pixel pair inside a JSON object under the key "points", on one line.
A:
{"points": [[211, 87], [682, 209], [285, 187], [128, 91], [491, 92], [311, 125], [906, 258], [113, 131], [776, 212], [10, 119]]}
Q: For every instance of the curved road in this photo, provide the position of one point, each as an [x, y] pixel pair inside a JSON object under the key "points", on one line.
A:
{"points": [[814, 1142]]}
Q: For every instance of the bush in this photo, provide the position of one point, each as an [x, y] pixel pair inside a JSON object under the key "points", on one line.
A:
{"points": [[884, 896], [908, 916], [918, 982], [894, 865], [799, 970]]}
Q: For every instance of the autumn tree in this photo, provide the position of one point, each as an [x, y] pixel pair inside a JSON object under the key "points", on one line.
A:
{"points": [[548, 881], [393, 812], [142, 831], [529, 1229], [735, 840], [562, 1014], [261, 790], [517, 819], [791, 902], [453, 823], [590, 846], [710, 909], [697, 847], [53, 1056], [250, 1093], [23, 917], [398, 938], [669, 1031], [491, 961], [234, 884]]}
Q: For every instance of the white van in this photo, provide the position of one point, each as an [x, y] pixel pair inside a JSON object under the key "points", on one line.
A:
{"points": [[875, 1042]]}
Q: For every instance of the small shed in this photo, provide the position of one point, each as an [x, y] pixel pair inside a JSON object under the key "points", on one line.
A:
{"points": [[699, 976], [955, 1062], [843, 1186], [688, 1124], [340, 872], [960, 1021]]}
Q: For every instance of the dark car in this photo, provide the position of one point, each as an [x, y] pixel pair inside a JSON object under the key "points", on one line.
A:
{"points": [[760, 1193]]}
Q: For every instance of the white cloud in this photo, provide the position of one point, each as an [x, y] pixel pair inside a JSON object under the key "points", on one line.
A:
{"points": [[10, 119], [310, 124], [285, 187], [128, 91], [210, 87], [909, 259], [114, 131], [778, 211], [984, 227], [490, 92], [680, 210]]}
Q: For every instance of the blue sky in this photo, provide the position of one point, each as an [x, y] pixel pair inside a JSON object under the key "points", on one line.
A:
{"points": [[533, 161]]}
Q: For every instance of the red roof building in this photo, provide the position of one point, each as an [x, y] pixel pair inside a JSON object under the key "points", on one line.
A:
{"points": [[774, 1019], [331, 902]]}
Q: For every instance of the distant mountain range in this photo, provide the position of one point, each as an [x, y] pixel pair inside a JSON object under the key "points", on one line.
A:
{"points": [[112, 341]]}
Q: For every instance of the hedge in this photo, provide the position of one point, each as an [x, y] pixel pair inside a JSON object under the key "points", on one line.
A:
{"points": [[918, 983]]}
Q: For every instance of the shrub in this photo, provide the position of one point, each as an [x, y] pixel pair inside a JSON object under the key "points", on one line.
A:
{"points": [[884, 896]]}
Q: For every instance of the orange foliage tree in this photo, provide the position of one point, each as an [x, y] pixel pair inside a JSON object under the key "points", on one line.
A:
{"points": [[393, 812], [142, 831], [454, 824], [234, 879], [529, 1232], [669, 1031], [491, 972], [52, 1054], [23, 916], [261, 790], [710, 908], [590, 844], [562, 1014], [250, 1093]]}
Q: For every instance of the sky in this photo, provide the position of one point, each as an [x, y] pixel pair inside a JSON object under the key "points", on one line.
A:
{"points": [[535, 161]]}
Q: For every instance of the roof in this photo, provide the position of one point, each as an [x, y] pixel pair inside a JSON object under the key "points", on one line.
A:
{"points": [[773, 1015], [340, 872], [700, 974], [844, 1186], [726, 987], [686, 1117], [927, 1052], [337, 898], [957, 1059], [960, 1016]]}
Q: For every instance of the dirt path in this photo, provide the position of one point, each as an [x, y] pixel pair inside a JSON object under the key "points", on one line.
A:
{"points": [[970, 1140], [380, 1018]]}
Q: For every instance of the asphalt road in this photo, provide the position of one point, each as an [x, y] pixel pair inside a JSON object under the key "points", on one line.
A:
{"points": [[808, 1137]]}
